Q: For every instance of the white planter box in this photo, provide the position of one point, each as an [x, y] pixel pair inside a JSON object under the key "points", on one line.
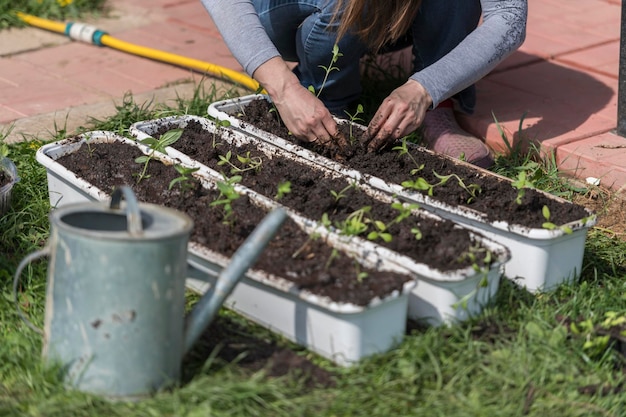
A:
{"points": [[437, 297], [342, 332], [541, 259]]}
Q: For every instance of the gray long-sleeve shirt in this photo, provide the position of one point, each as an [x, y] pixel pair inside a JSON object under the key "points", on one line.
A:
{"points": [[502, 31]]}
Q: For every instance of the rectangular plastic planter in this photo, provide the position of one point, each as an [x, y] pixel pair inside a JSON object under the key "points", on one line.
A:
{"points": [[541, 259], [342, 332], [438, 297]]}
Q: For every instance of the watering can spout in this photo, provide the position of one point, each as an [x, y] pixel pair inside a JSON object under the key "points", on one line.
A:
{"points": [[207, 307]]}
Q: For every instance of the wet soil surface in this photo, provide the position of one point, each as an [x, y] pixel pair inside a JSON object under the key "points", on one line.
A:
{"points": [[496, 198]]}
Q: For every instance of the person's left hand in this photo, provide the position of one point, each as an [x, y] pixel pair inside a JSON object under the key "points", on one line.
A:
{"points": [[401, 113]]}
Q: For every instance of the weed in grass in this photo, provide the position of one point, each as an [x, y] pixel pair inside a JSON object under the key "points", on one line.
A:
{"points": [[541, 171]]}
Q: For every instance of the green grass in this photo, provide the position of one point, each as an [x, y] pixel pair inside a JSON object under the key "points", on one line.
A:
{"points": [[516, 359], [60, 10]]}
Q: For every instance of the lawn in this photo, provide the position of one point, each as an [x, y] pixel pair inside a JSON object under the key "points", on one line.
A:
{"points": [[519, 358], [47, 9]]}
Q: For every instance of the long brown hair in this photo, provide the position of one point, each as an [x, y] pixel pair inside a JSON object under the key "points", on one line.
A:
{"points": [[376, 21]]}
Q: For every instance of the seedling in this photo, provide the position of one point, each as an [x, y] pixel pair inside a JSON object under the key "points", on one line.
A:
{"points": [[220, 124], [422, 184], [403, 149], [360, 275], [91, 150], [380, 232], [353, 119], [476, 254], [156, 145], [249, 163], [382, 228], [524, 181], [283, 189], [545, 210], [342, 193], [334, 254], [328, 69], [356, 223], [185, 176], [419, 184], [274, 110], [472, 189], [227, 196]]}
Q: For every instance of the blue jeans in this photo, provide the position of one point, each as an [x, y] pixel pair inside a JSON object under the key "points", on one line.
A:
{"points": [[299, 29]]}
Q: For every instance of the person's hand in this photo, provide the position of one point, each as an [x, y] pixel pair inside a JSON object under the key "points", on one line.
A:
{"points": [[401, 113], [304, 115]]}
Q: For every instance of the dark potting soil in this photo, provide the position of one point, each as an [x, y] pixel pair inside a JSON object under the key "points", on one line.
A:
{"points": [[443, 245], [496, 199], [233, 341], [310, 263], [4, 178]]}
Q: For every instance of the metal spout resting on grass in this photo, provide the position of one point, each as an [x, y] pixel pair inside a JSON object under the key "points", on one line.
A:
{"points": [[247, 254]]}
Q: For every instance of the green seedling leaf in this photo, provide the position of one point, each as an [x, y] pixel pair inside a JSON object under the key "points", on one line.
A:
{"points": [[170, 137]]}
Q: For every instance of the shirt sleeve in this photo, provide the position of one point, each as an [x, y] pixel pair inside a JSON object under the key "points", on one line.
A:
{"points": [[501, 32], [239, 25]]}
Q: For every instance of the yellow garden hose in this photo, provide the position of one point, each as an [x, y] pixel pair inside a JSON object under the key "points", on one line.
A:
{"points": [[90, 34]]}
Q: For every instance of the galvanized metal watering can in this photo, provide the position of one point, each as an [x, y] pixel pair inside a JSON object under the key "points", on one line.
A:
{"points": [[115, 300]]}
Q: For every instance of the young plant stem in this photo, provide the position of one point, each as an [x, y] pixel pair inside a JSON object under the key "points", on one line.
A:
{"points": [[328, 69], [156, 145]]}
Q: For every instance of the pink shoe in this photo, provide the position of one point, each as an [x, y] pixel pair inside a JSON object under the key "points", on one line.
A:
{"points": [[443, 134]]}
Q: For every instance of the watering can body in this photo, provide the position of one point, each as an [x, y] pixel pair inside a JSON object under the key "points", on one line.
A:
{"points": [[115, 301]]}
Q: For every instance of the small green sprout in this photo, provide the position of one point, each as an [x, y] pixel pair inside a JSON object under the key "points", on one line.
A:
{"points": [[284, 188], [338, 195], [354, 119], [545, 211], [185, 176], [248, 162], [403, 149], [156, 145], [328, 69], [227, 196]]}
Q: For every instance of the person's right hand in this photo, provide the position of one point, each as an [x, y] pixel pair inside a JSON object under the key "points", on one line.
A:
{"points": [[304, 115]]}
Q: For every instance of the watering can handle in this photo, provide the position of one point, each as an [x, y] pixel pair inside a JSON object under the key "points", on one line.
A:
{"points": [[16, 281], [133, 215]]}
